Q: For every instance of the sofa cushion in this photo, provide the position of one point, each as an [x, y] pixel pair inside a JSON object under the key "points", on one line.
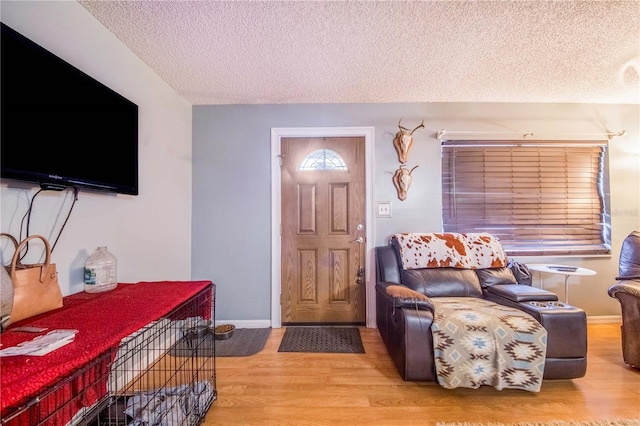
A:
{"points": [[493, 276], [521, 272], [440, 282]]}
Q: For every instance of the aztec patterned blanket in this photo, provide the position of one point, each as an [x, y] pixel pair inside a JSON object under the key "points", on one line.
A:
{"points": [[450, 250], [478, 342]]}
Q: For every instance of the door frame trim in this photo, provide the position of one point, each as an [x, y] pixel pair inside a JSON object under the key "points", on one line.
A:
{"points": [[277, 133]]}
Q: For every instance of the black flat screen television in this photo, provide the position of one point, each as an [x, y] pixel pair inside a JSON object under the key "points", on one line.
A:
{"points": [[59, 126]]}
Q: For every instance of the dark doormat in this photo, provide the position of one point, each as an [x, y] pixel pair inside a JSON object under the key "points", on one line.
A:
{"points": [[243, 342], [322, 340]]}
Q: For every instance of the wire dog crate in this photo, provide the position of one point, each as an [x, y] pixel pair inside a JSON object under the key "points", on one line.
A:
{"points": [[162, 374]]}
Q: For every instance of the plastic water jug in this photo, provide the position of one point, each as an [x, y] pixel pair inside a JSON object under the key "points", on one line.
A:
{"points": [[100, 271]]}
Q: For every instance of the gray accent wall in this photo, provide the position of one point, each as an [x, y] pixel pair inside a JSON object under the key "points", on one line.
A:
{"points": [[231, 225]]}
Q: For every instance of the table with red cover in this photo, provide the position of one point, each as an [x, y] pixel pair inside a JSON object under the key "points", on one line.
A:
{"points": [[102, 321]]}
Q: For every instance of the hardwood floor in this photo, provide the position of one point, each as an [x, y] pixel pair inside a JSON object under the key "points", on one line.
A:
{"points": [[272, 388]]}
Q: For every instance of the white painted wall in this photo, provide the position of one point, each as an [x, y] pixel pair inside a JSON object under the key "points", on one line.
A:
{"points": [[150, 234]]}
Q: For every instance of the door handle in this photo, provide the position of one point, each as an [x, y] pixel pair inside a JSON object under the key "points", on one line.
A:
{"points": [[358, 240]]}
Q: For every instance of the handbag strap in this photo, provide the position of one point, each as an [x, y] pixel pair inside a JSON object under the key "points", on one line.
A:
{"points": [[14, 241], [11, 237], [47, 259]]}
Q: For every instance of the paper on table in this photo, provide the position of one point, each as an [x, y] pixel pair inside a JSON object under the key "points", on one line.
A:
{"points": [[41, 345], [563, 268]]}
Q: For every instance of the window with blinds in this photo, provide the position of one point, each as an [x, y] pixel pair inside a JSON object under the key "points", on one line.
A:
{"points": [[538, 197]]}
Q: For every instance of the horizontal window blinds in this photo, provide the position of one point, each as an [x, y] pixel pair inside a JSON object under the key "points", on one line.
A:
{"points": [[539, 198]]}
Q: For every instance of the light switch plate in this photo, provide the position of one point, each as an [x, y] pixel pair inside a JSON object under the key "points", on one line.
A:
{"points": [[384, 209]]}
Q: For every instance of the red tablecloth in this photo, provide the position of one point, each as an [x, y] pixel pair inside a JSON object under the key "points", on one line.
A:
{"points": [[102, 321]]}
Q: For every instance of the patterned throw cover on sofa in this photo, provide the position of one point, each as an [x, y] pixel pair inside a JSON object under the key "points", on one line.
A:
{"points": [[476, 342]]}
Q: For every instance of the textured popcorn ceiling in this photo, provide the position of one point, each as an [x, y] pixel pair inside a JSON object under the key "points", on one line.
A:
{"points": [[231, 52]]}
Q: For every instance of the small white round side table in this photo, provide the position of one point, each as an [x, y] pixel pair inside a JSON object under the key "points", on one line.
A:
{"points": [[566, 270]]}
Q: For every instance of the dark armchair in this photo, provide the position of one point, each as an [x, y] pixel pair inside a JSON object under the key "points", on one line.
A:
{"points": [[627, 291]]}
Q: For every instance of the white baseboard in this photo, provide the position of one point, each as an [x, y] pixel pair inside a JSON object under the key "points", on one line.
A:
{"points": [[246, 323], [601, 319], [605, 319]]}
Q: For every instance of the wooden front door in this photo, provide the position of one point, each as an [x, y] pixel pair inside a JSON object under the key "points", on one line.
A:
{"points": [[323, 230]]}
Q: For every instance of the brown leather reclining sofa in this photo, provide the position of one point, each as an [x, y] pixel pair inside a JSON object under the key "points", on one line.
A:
{"points": [[627, 291], [405, 323]]}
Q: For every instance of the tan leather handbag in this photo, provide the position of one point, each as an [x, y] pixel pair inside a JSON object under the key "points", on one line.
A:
{"points": [[35, 286]]}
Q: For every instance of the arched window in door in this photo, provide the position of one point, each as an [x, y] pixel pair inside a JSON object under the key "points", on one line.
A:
{"points": [[322, 159]]}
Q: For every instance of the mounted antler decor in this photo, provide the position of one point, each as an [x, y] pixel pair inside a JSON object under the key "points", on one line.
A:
{"points": [[403, 141], [402, 181]]}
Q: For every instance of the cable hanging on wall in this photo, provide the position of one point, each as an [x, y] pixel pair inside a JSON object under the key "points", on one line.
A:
{"points": [[443, 135]]}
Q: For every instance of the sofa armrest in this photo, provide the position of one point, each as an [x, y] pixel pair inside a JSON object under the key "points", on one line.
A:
{"points": [[627, 286], [406, 298], [521, 293], [406, 333]]}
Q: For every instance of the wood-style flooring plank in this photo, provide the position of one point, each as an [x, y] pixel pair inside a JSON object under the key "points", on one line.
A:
{"points": [[272, 388]]}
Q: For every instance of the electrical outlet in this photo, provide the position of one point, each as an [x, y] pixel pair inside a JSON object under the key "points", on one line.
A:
{"points": [[384, 209]]}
